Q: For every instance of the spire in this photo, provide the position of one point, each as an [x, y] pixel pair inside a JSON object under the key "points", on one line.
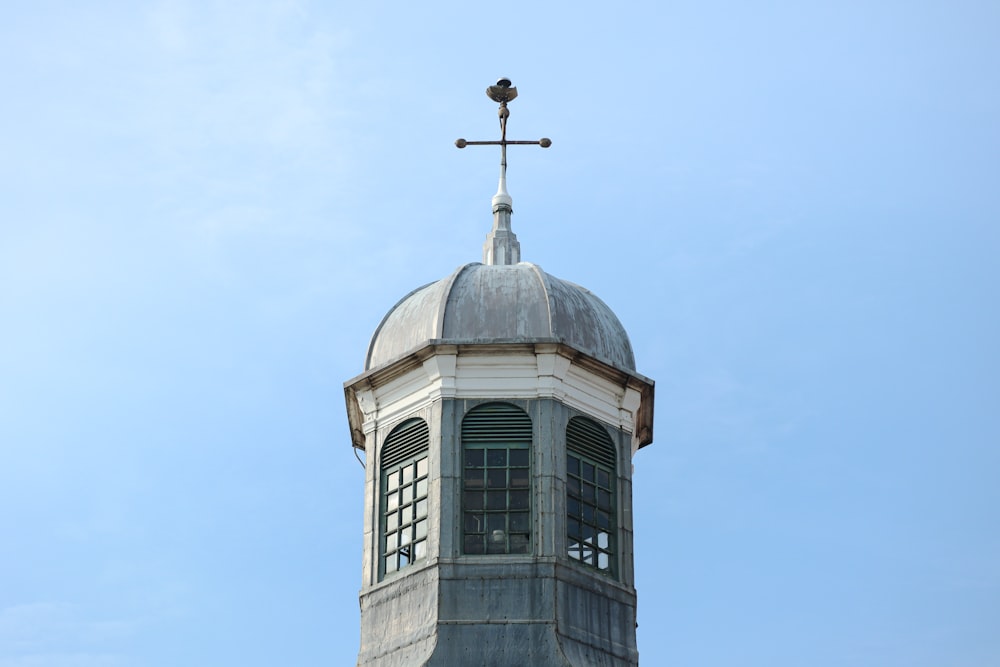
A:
{"points": [[501, 245]]}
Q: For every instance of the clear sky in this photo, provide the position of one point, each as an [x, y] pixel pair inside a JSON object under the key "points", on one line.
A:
{"points": [[206, 208]]}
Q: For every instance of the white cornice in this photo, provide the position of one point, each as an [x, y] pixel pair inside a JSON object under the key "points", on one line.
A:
{"points": [[503, 371]]}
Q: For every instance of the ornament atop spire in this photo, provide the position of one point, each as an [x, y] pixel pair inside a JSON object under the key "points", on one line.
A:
{"points": [[501, 245]]}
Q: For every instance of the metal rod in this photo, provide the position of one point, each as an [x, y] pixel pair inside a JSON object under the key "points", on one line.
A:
{"points": [[501, 143]]}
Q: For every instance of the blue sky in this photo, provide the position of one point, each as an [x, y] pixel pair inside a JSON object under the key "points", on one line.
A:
{"points": [[206, 208]]}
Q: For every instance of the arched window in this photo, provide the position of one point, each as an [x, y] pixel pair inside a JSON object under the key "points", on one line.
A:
{"points": [[496, 497], [590, 495], [403, 517]]}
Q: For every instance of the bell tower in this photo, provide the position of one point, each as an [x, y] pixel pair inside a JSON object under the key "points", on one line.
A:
{"points": [[499, 412]]}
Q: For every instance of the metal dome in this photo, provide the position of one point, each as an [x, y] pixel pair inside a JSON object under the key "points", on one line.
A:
{"points": [[516, 303]]}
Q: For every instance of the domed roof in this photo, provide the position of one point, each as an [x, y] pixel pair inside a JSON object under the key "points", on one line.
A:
{"points": [[491, 303]]}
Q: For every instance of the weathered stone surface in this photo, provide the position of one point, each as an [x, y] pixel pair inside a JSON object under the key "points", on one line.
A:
{"points": [[399, 621], [540, 608], [502, 614]]}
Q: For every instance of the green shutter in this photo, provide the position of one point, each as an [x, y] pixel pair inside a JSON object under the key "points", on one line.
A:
{"points": [[496, 423], [591, 440], [406, 440]]}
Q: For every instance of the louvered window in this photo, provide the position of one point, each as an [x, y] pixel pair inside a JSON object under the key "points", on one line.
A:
{"points": [[404, 496], [590, 494], [496, 497]]}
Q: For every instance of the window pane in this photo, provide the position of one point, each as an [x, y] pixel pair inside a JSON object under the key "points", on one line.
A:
{"points": [[588, 492], [519, 500], [574, 549], [474, 523], [519, 478], [603, 499], [572, 465], [474, 458], [520, 522], [496, 543], [421, 508], [573, 506], [573, 487], [421, 467], [603, 520], [519, 544], [404, 536], [474, 500], [391, 521], [408, 473], [392, 500], [573, 528], [421, 530], [421, 488], [603, 478], [587, 514], [603, 561], [496, 458], [495, 500], [519, 458], [496, 522], [390, 563], [587, 471], [404, 558], [602, 540], [473, 544], [391, 481], [496, 479], [420, 550], [390, 542], [473, 478]]}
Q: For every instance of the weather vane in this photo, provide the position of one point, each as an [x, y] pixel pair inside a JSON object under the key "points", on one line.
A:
{"points": [[501, 245], [503, 92]]}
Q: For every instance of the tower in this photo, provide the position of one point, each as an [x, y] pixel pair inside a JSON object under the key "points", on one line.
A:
{"points": [[499, 412]]}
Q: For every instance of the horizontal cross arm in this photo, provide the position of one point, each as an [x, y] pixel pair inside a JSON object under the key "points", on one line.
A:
{"points": [[543, 142]]}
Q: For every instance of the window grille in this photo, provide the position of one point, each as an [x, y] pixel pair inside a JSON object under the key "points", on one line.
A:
{"points": [[591, 506], [404, 496], [496, 497]]}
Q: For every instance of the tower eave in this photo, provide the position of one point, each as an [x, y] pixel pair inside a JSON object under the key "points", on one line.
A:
{"points": [[360, 388]]}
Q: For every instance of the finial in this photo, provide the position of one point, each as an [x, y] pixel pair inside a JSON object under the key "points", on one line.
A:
{"points": [[501, 245]]}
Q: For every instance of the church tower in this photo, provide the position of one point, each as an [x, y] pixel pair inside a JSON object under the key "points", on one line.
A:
{"points": [[499, 412]]}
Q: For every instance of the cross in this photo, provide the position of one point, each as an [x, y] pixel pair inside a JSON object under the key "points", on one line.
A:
{"points": [[503, 92], [501, 245]]}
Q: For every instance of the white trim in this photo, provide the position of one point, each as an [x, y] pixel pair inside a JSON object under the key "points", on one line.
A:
{"points": [[517, 375]]}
